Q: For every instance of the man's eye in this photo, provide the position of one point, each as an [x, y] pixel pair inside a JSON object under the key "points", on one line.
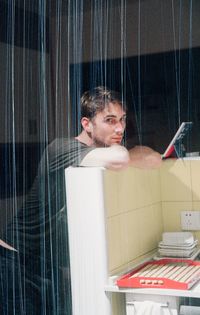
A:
{"points": [[110, 121], [123, 120]]}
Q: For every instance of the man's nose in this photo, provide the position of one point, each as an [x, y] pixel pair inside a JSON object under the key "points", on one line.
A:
{"points": [[119, 128]]}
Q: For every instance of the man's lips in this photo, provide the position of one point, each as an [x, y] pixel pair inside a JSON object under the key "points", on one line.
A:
{"points": [[117, 139]]}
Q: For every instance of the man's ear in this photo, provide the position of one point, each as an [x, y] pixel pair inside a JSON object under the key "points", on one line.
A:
{"points": [[86, 124]]}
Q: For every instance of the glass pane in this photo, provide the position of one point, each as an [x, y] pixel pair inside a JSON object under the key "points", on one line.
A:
{"points": [[50, 53]]}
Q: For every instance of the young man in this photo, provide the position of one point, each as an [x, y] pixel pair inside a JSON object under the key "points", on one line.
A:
{"points": [[104, 120], [35, 278]]}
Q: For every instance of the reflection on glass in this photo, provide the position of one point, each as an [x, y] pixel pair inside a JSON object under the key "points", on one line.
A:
{"points": [[50, 52]]}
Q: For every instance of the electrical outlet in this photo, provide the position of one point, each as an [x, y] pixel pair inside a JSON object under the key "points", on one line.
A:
{"points": [[190, 220]]}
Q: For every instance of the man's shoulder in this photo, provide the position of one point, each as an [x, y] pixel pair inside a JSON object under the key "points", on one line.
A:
{"points": [[64, 152], [65, 144]]}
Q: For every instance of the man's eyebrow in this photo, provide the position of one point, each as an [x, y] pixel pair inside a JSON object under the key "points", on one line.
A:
{"points": [[114, 116], [110, 116]]}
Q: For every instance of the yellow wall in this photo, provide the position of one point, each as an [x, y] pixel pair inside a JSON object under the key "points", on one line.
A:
{"points": [[141, 204], [134, 216], [180, 190]]}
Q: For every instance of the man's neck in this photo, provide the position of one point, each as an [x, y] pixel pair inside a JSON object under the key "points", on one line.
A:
{"points": [[83, 137]]}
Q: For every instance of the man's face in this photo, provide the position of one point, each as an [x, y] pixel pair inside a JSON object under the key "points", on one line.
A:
{"points": [[108, 126]]}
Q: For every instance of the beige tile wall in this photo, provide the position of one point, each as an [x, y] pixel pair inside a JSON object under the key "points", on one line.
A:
{"points": [[175, 181], [134, 216], [141, 204], [180, 190]]}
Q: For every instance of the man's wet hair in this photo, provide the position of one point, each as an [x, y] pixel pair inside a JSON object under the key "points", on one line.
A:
{"points": [[96, 99]]}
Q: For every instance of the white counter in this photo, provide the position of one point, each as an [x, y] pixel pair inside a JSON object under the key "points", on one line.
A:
{"points": [[194, 292]]}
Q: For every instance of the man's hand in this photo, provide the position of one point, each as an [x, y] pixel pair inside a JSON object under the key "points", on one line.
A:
{"points": [[144, 157], [115, 157]]}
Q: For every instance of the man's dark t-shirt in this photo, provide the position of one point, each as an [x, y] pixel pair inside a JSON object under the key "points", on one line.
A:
{"points": [[35, 279]]}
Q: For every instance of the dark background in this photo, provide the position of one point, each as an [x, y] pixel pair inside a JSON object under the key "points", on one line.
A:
{"points": [[161, 89]]}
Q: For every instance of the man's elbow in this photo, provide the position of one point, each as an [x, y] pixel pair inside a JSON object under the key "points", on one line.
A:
{"points": [[145, 157], [154, 159]]}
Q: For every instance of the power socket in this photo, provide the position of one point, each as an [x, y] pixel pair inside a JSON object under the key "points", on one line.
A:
{"points": [[190, 220]]}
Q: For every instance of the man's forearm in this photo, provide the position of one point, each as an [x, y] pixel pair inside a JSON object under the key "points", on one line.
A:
{"points": [[114, 157], [117, 157]]}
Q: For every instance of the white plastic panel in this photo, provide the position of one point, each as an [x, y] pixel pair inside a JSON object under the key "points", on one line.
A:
{"points": [[87, 241]]}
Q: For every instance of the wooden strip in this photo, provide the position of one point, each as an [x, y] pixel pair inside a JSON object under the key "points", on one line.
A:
{"points": [[160, 270], [173, 272], [166, 271], [154, 271], [183, 273], [194, 276], [137, 274], [177, 271], [169, 271], [190, 273]]}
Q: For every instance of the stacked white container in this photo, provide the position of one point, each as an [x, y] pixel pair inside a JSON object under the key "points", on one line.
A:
{"points": [[178, 245]]}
